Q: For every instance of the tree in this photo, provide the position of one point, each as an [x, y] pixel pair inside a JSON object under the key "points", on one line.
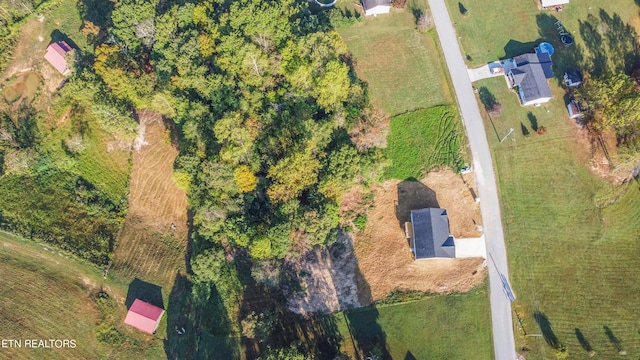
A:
{"points": [[292, 175], [612, 102], [245, 179]]}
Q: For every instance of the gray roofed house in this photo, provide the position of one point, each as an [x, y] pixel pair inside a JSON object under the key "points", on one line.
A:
{"points": [[430, 234], [375, 7], [530, 77]]}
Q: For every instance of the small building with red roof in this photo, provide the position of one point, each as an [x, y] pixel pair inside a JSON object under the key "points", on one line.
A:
{"points": [[144, 316], [56, 56]]}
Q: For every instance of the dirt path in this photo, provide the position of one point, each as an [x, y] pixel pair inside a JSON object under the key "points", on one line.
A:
{"points": [[148, 248], [382, 251]]}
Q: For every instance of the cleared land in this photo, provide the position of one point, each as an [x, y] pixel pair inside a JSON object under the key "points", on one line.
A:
{"points": [[148, 247], [402, 66], [488, 33], [23, 88], [60, 22], [50, 295], [571, 236], [422, 140], [382, 251], [453, 326]]}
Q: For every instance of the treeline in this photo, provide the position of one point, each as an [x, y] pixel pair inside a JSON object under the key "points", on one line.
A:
{"points": [[264, 98]]}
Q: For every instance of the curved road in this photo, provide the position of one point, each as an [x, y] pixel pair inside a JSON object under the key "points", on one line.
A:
{"points": [[499, 287]]}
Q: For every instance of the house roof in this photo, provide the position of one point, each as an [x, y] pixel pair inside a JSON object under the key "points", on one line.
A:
{"points": [[548, 3], [431, 236], [144, 316], [370, 4], [536, 69], [55, 55]]}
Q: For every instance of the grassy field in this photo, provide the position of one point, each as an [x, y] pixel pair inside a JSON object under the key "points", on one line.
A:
{"points": [[51, 295], [423, 139], [493, 29], [402, 66], [455, 326], [571, 261]]}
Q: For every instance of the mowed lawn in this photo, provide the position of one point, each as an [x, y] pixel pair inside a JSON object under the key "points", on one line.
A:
{"points": [[402, 66], [454, 326], [46, 294], [492, 29], [569, 260]]}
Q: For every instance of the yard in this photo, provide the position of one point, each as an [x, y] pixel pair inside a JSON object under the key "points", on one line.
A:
{"points": [[571, 236], [424, 139], [493, 29], [435, 327], [66, 307], [403, 67]]}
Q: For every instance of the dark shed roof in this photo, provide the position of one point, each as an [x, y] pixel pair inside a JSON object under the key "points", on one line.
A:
{"points": [[431, 236]]}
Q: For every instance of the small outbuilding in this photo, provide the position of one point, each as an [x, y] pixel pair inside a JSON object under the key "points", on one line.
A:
{"points": [[56, 56], [573, 78], [376, 7], [574, 110], [553, 4], [144, 316], [430, 237]]}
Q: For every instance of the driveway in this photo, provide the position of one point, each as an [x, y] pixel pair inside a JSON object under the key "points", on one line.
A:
{"points": [[499, 287]]}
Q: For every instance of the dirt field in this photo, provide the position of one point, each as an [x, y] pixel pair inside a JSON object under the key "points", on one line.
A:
{"points": [[147, 247], [382, 251]]}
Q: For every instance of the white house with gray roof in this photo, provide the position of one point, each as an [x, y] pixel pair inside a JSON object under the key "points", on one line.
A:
{"points": [[529, 77]]}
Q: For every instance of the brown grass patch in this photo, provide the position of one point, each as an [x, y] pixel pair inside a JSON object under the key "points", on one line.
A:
{"points": [[383, 254], [147, 247]]}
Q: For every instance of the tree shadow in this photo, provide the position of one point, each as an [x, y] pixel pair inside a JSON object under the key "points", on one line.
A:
{"points": [[409, 356], [366, 333], [487, 99], [525, 131], [145, 291], [416, 13], [463, 10], [96, 11], [583, 341], [545, 326], [413, 195], [514, 48], [613, 339], [198, 327], [533, 120], [565, 58]]}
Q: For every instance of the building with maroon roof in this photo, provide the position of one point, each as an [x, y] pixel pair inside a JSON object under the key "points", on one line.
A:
{"points": [[55, 56], [144, 316]]}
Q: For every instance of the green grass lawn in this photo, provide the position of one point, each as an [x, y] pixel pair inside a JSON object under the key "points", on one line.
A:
{"points": [[424, 139], [570, 260], [455, 326], [493, 29], [51, 295], [402, 66]]}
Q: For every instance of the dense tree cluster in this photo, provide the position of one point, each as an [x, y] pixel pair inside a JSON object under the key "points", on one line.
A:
{"points": [[612, 102], [263, 96]]}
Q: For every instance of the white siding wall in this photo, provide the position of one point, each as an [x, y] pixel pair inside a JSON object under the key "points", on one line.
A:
{"points": [[380, 9]]}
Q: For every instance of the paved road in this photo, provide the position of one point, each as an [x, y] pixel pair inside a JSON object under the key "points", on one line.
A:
{"points": [[500, 290]]}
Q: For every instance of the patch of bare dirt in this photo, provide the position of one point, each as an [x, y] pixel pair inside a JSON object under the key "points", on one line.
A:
{"points": [[329, 279], [382, 251], [596, 153]]}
